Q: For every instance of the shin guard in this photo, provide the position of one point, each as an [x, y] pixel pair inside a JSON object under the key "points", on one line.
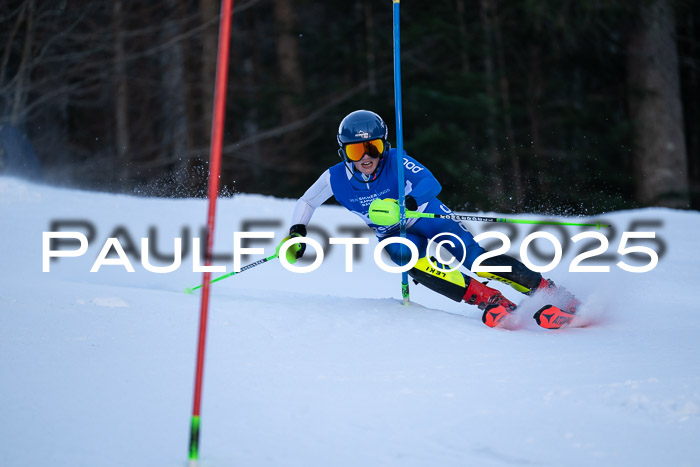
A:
{"points": [[451, 284]]}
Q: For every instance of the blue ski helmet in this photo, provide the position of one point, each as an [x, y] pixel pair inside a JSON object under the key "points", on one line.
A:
{"points": [[362, 126]]}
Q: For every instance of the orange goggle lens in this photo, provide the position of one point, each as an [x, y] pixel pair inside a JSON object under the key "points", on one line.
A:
{"points": [[355, 151]]}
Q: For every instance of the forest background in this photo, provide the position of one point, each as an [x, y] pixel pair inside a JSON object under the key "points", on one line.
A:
{"points": [[549, 106]]}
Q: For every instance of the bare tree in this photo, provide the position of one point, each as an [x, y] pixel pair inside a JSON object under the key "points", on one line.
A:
{"points": [[463, 40], [19, 14], [515, 178], [23, 78], [288, 60], [494, 156], [655, 108], [121, 95], [291, 74], [209, 12], [370, 46], [174, 103]]}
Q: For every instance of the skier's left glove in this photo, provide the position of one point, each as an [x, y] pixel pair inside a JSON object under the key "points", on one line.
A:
{"points": [[411, 203], [297, 250]]}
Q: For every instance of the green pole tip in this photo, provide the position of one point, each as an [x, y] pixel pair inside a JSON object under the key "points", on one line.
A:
{"points": [[194, 439], [188, 291]]}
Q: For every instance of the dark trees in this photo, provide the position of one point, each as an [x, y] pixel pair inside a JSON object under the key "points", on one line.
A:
{"points": [[551, 106]]}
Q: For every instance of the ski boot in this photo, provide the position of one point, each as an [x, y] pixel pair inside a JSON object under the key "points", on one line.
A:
{"points": [[495, 306]]}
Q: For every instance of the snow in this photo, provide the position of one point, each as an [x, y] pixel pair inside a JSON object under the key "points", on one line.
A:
{"points": [[329, 368]]}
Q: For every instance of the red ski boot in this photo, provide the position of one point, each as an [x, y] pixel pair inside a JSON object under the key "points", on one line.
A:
{"points": [[495, 306]]}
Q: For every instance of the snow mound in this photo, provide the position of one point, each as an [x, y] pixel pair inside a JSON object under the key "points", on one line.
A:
{"points": [[328, 368]]}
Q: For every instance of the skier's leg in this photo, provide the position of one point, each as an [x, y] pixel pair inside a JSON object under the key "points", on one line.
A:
{"points": [[458, 287], [453, 236], [454, 284], [520, 277], [524, 280], [450, 283], [400, 254]]}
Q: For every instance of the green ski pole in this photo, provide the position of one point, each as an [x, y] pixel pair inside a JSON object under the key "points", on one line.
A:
{"points": [[386, 212], [189, 290], [461, 217]]}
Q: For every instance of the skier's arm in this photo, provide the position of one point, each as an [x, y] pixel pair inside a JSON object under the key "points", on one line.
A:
{"points": [[315, 196], [425, 190], [421, 184]]}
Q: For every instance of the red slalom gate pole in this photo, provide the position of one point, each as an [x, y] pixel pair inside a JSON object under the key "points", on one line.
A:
{"points": [[214, 169]]}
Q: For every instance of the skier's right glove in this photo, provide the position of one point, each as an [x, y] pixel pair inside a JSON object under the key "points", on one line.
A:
{"points": [[386, 211], [297, 250]]}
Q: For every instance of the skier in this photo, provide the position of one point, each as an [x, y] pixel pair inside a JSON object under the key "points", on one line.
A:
{"points": [[367, 173]]}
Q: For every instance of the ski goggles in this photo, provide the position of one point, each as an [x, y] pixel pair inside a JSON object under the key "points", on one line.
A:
{"points": [[355, 151]]}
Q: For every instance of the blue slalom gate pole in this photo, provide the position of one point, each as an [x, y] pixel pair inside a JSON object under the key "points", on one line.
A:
{"points": [[399, 142]]}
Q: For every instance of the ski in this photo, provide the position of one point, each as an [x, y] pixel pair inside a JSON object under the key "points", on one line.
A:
{"points": [[552, 317], [494, 315], [547, 317]]}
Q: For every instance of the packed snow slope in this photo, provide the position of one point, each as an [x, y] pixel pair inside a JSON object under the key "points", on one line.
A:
{"points": [[328, 368]]}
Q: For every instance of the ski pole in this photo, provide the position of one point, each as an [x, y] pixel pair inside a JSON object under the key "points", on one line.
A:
{"points": [[461, 217], [386, 212], [189, 290]]}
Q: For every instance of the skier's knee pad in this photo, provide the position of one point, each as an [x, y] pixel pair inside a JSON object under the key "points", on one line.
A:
{"points": [[520, 277], [451, 284]]}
